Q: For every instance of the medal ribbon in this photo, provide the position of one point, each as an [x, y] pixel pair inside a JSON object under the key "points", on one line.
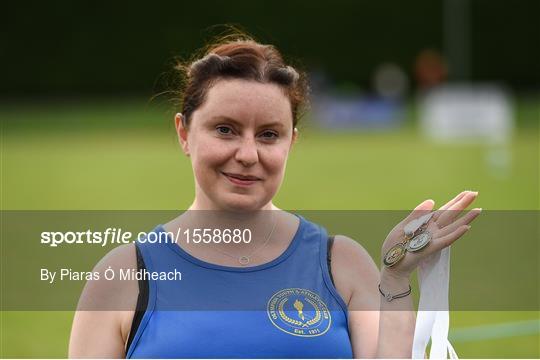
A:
{"points": [[433, 277]]}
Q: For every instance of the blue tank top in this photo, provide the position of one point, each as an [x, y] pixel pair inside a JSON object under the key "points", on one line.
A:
{"points": [[286, 308]]}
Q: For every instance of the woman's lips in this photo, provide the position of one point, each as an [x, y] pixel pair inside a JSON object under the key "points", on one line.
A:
{"points": [[240, 182]]}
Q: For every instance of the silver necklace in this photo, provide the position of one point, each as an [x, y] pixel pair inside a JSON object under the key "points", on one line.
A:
{"points": [[246, 259]]}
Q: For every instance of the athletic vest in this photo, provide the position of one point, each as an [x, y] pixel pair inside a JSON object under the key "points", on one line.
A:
{"points": [[286, 308]]}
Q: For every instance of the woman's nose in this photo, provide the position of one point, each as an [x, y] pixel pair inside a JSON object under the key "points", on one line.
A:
{"points": [[247, 152]]}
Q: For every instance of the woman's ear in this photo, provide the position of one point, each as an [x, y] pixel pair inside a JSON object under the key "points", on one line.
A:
{"points": [[182, 132]]}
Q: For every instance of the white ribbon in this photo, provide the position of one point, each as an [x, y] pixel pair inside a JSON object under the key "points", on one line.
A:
{"points": [[433, 277]]}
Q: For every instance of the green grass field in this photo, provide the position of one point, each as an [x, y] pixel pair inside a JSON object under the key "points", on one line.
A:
{"points": [[126, 157]]}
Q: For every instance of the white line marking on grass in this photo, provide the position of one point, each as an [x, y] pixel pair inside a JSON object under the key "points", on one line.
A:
{"points": [[495, 331]]}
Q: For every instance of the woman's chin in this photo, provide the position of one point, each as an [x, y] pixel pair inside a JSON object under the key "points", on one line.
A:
{"points": [[241, 203]]}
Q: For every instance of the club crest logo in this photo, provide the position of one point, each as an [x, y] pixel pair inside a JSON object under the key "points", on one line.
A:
{"points": [[299, 312]]}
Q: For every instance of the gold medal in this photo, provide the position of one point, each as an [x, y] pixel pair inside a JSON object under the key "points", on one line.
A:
{"points": [[416, 238], [394, 255]]}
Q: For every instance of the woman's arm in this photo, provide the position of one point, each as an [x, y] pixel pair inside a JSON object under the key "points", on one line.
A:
{"points": [[356, 278], [378, 328], [371, 317], [102, 323], [397, 319], [96, 334], [381, 328]]}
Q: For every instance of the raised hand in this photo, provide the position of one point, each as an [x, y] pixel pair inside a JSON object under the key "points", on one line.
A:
{"points": [[444, 227]]}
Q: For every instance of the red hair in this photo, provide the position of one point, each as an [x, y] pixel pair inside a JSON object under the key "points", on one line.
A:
{"points": [[239, 58]]}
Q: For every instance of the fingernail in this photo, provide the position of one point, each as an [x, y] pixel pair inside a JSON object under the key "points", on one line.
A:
{"points": [[468, 227]]}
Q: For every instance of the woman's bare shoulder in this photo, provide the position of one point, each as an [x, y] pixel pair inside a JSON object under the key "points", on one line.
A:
{"points": [[123, 256], [353, 268], [106, 307], [111, 270], [115, 289]]}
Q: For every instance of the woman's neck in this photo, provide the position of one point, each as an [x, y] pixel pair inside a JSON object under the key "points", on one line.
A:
{"points": [[207, 205]]}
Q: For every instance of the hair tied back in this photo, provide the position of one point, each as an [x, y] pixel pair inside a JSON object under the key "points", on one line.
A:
{"points": [[208, 62]]}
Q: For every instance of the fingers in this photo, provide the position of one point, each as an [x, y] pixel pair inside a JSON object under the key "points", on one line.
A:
{"points": [[423, 208], [447, 240], [447, 216], [454, 200], [450, 203], [464, 220]]}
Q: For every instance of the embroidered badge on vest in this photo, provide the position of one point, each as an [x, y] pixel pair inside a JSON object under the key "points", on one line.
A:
{"points": [[299, 312]]}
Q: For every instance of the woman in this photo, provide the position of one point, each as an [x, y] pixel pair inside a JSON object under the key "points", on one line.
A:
{"points": [[240, 107]]}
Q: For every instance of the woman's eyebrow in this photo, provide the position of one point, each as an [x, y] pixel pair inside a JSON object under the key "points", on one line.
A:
{"points": [[240, 124]]}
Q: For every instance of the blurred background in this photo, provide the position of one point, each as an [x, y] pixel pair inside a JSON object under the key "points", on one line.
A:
{"points": [[410, 100]]}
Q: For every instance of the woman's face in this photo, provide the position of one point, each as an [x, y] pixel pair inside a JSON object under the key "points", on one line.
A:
{"points": [[238, 141]]}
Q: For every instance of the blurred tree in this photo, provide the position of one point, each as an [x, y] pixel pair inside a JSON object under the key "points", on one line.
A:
{"points": [[65, 47]]}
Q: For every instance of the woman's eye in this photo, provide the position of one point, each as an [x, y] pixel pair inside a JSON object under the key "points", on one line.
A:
{"points": [[270, 135], [224, 130]]}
